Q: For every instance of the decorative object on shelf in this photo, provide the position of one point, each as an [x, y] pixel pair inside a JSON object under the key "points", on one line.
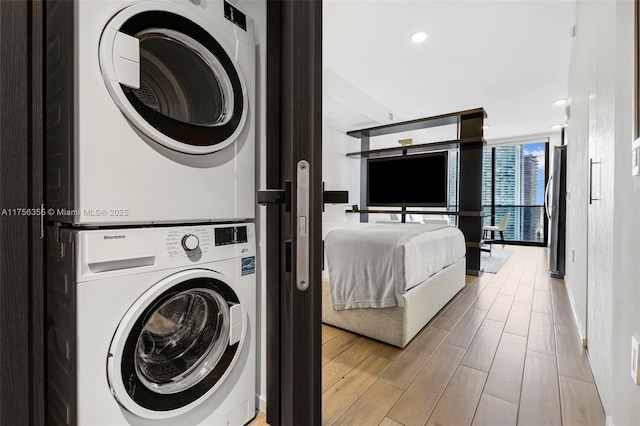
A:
{"points": [[405, 142]]}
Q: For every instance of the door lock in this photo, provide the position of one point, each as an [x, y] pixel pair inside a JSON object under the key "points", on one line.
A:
{"points": [[301, 225], [302, 220]]}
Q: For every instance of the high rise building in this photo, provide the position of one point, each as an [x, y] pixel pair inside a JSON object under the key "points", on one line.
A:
{"points": [[516, 180], [529, 180], [509, 166], [530, 215]]}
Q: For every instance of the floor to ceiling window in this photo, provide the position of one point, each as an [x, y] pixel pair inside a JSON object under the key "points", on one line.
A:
{"points": [[514, 179]]}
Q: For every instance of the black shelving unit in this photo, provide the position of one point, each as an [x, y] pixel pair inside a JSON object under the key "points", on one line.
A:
{"points": [[470, 142]]}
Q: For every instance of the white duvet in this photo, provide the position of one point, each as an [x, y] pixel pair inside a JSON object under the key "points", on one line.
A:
{"points": [[371, 266]]}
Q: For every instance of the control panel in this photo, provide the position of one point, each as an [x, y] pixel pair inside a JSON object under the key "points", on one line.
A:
{"points": [[230, 235], [190, 242], [111, 252], [194, 242]]}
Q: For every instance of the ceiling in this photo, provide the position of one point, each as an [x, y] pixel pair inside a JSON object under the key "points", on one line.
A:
{"points": [[510, 57]]}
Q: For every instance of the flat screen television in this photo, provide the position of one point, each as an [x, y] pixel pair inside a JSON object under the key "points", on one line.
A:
{"points": [[419, 180]]}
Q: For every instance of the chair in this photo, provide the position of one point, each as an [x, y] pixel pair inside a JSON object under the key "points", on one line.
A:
{"points": [[500, 228]]}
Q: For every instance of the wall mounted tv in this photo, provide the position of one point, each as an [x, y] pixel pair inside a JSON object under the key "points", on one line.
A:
{"points": [[419, 180]]}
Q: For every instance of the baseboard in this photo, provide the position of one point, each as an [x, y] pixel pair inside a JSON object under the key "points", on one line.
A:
{"points": [[574, 311], [262, 403]]}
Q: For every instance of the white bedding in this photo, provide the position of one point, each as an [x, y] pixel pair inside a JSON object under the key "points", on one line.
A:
{"points": [[371, 266]]}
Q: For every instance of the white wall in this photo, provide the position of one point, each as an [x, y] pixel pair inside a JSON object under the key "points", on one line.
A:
{"points": [[345, 107], [339, 172], [601, 127], [625, 407], [577, 173], [257, 9]]}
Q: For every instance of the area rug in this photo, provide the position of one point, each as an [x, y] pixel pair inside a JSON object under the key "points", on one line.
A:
{"points": [[493, 263]]}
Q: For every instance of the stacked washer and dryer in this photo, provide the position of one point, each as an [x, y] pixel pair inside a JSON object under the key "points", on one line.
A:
{"points": [[151, 272]]}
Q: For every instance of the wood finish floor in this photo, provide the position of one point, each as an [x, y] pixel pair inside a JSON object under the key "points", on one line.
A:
{"points": [[504, 351]]}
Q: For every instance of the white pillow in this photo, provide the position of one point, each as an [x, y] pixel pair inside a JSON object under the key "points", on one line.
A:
{"points": [[415, 218], [436, 219]]}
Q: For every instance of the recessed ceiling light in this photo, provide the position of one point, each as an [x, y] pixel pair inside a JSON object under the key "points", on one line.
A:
{"points": [[557, 126], [560, 102], [485, 127], [419, 36]]}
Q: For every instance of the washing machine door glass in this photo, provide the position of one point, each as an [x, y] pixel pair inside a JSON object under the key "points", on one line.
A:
{"points": [[182, 340], [173, 80], [176, 344]]}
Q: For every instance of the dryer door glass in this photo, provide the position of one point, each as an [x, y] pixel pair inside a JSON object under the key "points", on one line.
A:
{"points": [[174, 81], [182, 80]]}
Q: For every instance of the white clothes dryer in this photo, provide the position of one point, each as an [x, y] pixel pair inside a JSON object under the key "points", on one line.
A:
{"points": [[150, 112], [152, 326]]}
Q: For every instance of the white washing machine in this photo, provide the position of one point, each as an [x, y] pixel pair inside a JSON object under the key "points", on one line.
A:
{"points": [[150, 112], [152, 326]]}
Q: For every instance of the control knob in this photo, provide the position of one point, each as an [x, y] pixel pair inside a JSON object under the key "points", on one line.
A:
{"points": [[190, 242]]}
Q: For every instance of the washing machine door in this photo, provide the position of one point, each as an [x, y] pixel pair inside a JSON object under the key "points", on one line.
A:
{"points": [[176, 344], [173, 77]]}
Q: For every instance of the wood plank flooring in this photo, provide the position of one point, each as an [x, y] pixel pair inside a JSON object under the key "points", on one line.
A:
{"points": [[505, 351]]}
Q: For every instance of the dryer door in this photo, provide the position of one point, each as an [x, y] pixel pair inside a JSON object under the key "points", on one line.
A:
{"points": [[174, 78], [176, 344]]}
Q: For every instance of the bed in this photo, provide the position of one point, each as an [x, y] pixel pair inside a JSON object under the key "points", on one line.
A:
{"points": [[386, 281]]}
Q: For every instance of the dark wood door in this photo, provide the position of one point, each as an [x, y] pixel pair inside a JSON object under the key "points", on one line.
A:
{"points": [[22, 394], [294, 244]]}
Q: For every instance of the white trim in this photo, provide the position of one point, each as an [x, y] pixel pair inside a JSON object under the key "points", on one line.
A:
{"points": [[575, 315], [609, 421], [262, 402]]}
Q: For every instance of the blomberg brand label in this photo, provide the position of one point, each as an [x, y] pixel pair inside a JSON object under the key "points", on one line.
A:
{"points": [[114, 237]]}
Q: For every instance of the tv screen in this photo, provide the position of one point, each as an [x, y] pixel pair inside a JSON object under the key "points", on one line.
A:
{"points": [[418, 180]]}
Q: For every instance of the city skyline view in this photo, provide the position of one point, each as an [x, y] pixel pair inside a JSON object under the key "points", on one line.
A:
{"points": [[519, 182], [537, 150], [519, 188]]}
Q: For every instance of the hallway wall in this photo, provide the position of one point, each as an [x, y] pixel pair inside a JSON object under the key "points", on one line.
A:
{"points": [[602, 239]]}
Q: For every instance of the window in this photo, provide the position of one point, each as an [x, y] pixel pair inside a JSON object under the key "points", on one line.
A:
{"points": [[514, 179]]}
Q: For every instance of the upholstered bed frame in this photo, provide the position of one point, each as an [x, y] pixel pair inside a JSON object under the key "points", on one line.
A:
{"points": [[398, 325]]}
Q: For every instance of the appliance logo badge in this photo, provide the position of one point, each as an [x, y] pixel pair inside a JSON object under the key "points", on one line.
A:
{"points": [[114, 237], [248, 265]]}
